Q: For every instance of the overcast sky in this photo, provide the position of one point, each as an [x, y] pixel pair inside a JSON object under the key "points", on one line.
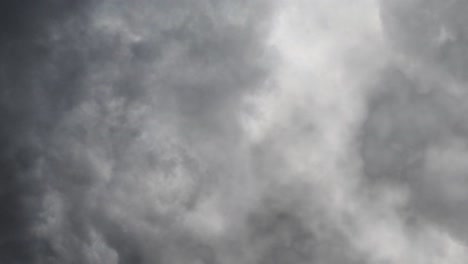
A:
{"points": [[234, 132]]}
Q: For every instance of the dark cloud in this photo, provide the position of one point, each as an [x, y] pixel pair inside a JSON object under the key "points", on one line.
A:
{"points": [[115, 118], [415, 134], [431, 32], [165, 131], [28, 109]]}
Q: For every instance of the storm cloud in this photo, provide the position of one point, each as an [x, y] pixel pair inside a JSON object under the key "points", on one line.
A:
{"points": [[160, 131]]}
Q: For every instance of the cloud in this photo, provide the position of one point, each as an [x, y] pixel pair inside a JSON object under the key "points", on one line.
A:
{"points": [[130, 120], [26, 116], [232, 132], [414, 135]]}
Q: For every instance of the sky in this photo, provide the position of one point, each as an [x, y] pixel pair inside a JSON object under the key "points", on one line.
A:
{"points": [[233, 132]]}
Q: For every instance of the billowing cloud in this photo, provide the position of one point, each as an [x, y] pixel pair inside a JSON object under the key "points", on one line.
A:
{"points": [[249, 132], [415, 134]]}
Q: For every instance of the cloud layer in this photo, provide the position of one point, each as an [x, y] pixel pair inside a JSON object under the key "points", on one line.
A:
{"points": [[233, 132]]}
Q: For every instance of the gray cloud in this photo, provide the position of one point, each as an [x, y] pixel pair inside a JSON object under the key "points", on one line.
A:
{"points": [[141, 163], [116, 117], [415, 133], [233, 132]]}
